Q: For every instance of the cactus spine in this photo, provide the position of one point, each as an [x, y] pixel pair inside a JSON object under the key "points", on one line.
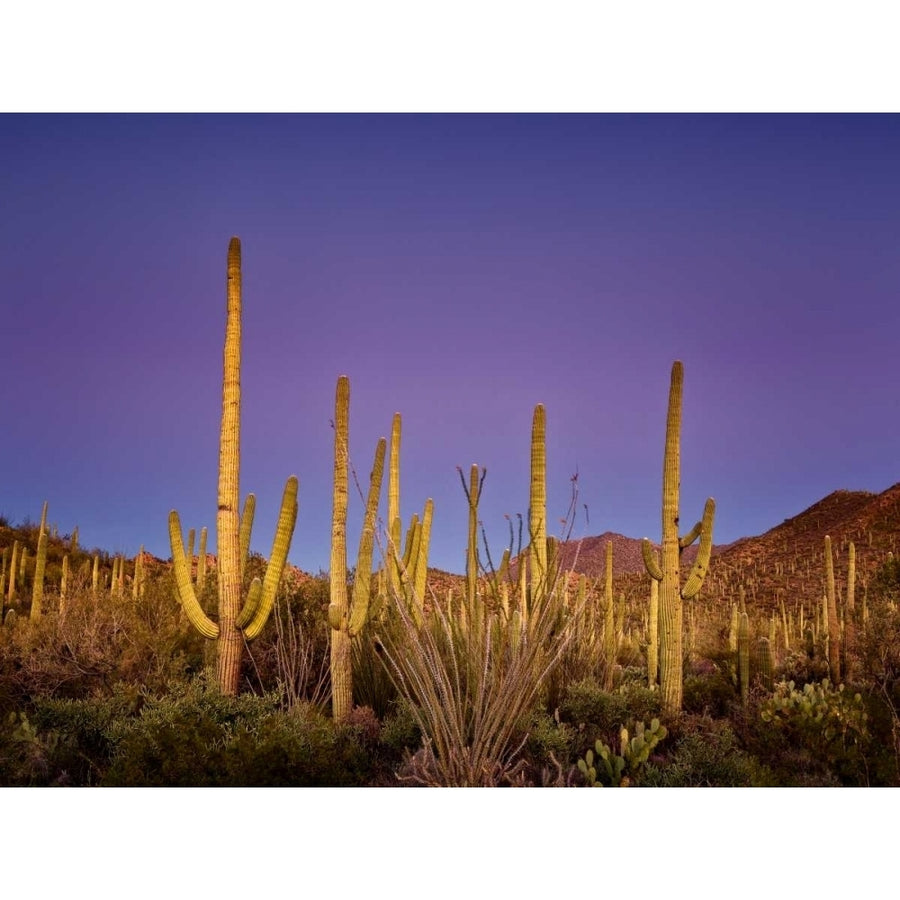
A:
{"points": [[234, 622], [671, 592]]}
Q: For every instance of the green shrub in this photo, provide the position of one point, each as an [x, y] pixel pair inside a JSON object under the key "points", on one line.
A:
{"points": [[710, 695], [706, 755], [197, 737]]}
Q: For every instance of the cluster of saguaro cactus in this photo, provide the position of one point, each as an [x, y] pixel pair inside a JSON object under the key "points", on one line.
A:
{"points": [[668, 573], [240, 616], [406, 562]]}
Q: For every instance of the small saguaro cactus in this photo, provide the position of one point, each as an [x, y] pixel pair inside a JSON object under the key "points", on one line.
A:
{"points": [[671, 592], [239, 617], [345, 617], [834, 628], [37, 592], [743, 654]]}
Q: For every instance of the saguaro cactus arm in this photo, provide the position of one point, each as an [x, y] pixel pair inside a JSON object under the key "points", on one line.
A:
{"points": [[651, 562], [186, 594], [281, 544], [701, 564], [359, 609]]}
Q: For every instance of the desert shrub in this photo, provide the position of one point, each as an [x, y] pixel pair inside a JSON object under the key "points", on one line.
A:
{"points": [[707, 754], [400, 730], [549, 739], [599, 714], [99, 642], [197, 737], [711, 695], [25, 753], [586, 703], [291, 653]]}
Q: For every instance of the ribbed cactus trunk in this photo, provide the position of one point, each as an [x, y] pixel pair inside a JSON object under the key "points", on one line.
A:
{"points": [[743, 657], [609, 624], [472, 540], [341, 663], [393, 508], [537, 507], [37, 591], [653, 635], [834, 627], [667, 569], [230, 642], [850, 620], [671, 612]]}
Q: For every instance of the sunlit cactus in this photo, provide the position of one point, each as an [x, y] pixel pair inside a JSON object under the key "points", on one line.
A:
{"points": [[668, 571], [765, 662], [539, 575], [240, 617], [346, 616], [201, 562], [37, 591], [14, 561], [834, 628], [743, 654]]}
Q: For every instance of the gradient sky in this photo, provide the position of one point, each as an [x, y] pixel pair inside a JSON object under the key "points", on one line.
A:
{"points": [[460, 269]]}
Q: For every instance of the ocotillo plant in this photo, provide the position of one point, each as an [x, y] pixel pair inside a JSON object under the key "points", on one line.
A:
{"points": [[346, 618], [668, 574], [237, 620]]}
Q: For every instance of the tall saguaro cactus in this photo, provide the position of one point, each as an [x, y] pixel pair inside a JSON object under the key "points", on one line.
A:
{"points": [[672, 593], [537, 507], [237, 620], [345, 617]]}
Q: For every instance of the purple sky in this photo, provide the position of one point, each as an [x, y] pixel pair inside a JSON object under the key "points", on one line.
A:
{"points": [[460, 270]]}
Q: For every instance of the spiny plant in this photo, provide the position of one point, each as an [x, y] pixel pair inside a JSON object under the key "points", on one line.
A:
{"points": [[345, 617], [239, 617], [619, 769], [471, 680], [834, 627], [672, 593]]}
